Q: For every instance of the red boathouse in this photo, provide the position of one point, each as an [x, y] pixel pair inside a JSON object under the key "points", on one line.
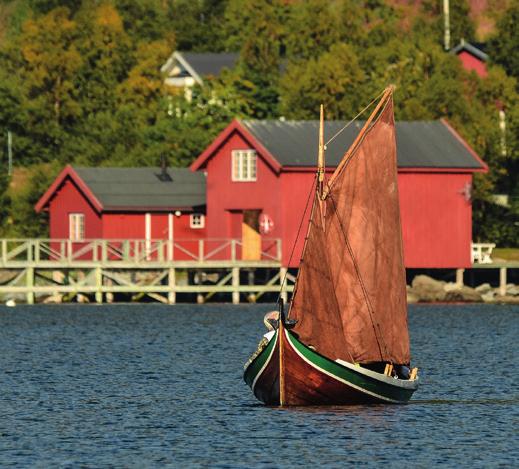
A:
{"points": [[252, 185], [260, 173], [142, 204]]}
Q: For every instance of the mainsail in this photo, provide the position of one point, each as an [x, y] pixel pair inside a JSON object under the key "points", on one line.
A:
{"points": [[350, 297]]}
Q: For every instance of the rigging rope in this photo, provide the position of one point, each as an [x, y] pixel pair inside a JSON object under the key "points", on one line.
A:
{"points": [[297, 235], [354, 119]]}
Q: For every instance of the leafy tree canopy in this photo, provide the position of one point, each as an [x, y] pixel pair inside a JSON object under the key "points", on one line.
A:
{"points": [[80, 81]]}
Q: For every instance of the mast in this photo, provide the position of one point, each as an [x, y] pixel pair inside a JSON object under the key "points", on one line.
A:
{"points": [[320, 158]]}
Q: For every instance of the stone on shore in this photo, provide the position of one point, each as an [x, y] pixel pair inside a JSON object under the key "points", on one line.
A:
{"points": [[484, 288], [463, 293], [427, 289], [507, 299]]}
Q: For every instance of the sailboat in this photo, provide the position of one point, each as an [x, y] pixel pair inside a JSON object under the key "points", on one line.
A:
{"points": [[345, 339]]}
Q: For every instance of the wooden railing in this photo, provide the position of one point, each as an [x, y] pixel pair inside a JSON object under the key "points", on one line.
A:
{"points": [[481, 253], [134, 251]]}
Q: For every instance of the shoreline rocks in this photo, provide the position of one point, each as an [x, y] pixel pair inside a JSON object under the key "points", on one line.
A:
{"points": [[425, 289]]}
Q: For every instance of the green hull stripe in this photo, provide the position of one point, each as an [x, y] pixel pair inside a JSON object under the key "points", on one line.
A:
{"points": [[250, 373], [359, 380]]}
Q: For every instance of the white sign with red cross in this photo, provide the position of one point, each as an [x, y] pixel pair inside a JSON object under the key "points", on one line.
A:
{"points": [[265, 223]]}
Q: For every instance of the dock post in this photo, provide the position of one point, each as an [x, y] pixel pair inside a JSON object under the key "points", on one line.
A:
{"points": [[459, 277], [502, 281], [99, 284], [29, 282], [235, 283], [282, 283], [109, 295], [172, 295]]}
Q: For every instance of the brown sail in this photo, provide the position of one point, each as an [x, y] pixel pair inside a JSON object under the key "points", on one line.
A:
{"points": [[350, 298]]}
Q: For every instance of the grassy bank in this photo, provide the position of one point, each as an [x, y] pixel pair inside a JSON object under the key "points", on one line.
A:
{"points": [[507, 254]]}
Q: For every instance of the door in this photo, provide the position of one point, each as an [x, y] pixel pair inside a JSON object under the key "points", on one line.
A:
{"points": [[251, 238]]}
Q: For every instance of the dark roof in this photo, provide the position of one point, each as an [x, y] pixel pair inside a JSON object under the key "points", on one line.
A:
{"points": [[476, 49], [205, 64], [426, 144], [141, 188]]}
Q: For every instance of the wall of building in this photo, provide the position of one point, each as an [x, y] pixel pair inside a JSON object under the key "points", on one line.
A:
{"points": [[69, 199], [296, 187], [472, 63], [436, 219], [133, 226], [227, 199]]}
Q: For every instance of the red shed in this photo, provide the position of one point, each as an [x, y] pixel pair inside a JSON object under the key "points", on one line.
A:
{"points": [[142, 204], [472, 57], [260, 173]]}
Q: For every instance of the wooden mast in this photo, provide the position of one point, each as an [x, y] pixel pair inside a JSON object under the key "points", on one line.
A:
{"points": [[320, 157]]}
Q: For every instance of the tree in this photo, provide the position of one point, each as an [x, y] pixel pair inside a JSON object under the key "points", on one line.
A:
{"points": [[256, 77], [25, 223], [144, 84], [432, 23], [106, 51], [145, 20], [5, 200], [503, 47], [198, 26], [44, 64], [311, 29], [335, 79]]}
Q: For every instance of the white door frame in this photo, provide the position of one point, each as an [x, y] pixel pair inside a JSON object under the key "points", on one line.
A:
{"points": [[147, 230], [171, 228]]}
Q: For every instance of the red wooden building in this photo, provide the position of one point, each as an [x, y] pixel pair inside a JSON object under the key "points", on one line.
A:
{"points": [[472, 57], [252, 184], [143, 204], [259, 174]]}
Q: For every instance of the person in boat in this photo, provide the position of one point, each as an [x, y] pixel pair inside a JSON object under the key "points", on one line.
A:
{"points": [[403, 371], [397, 371], [271, 323]]}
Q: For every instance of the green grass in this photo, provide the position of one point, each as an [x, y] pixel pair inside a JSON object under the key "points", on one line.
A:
{"points": [[508, 254]]}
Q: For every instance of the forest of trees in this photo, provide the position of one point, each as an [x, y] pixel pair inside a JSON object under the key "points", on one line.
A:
{"points": [[80, 83]]}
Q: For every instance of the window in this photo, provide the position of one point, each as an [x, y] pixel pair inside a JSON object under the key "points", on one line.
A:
{"points": [[196, 220], [76, 224], [243, 165]]}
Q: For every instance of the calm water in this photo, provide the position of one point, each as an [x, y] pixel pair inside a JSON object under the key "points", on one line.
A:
{"points": [[154, 386]]}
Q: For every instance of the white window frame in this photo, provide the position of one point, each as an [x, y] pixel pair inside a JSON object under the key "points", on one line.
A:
{"points": [[244, 165], [194, 224], [76, 226]]}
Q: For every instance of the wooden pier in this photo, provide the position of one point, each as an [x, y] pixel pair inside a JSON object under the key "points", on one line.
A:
{"points": [[100, 270]]}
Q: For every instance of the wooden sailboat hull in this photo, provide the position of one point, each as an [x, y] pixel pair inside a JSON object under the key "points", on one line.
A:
{"points": [[309, 378]]}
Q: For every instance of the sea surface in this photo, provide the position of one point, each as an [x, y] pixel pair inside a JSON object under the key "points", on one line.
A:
{"points": [[161, 386]]}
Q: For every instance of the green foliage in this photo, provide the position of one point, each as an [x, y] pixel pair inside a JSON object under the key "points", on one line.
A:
{"points": [[494, 223], [256, 29], [5, 201], [308, 84], [312, 29], [432, 24], [80, 82], [24, 221], [145, 20], [504, 45], [199, 25]]}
